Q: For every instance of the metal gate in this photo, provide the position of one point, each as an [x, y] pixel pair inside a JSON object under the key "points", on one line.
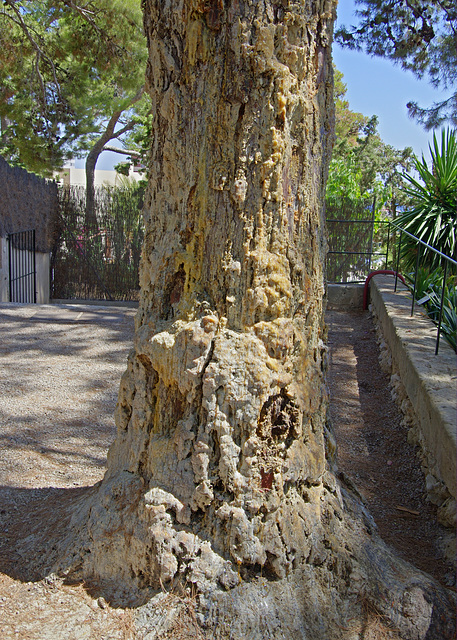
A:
{"points": [[22, 266]]}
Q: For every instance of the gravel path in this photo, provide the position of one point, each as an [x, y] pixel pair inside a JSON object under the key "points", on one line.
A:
{"points": [[60, 367]]}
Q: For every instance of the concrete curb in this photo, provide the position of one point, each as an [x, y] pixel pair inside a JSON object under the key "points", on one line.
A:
{"points": [[345, 296], [429, 380]]}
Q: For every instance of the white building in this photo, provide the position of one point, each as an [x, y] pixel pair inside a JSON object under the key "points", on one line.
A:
{"points": [[70, 175]]}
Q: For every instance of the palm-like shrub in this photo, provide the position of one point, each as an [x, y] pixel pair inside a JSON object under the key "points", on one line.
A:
{"points": [[433, 196], [449, 315], [429, 291]]}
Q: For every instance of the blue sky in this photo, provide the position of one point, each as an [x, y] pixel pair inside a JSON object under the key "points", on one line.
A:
{"points": [[378, 87], [374, 87]]}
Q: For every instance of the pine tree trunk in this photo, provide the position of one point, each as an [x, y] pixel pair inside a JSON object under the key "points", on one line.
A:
{"points": [[221, 475], [223, 408], [90, 215]]}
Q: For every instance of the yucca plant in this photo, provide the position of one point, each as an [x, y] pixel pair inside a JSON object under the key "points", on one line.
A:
{"points": [[433, 196], [449, 316], [428, 290], [426, 281]]}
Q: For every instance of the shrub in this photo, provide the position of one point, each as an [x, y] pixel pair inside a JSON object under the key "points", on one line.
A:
{"points": [[429, 285], [432, 214]]}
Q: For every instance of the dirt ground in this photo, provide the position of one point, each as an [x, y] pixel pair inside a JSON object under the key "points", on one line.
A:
{"points": [[373, 449], [59, 374]]}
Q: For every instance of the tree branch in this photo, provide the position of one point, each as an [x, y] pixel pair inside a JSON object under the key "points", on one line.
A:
{"points": [[89, 17], [109, 133], [128, 127], [83, 12], [126, 152], [39, 51]]}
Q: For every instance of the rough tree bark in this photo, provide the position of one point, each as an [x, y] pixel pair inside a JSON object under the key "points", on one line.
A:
{"points": [[222, 474]]}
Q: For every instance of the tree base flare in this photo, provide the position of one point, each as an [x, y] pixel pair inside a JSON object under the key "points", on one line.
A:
{"points": [[350, 585]]}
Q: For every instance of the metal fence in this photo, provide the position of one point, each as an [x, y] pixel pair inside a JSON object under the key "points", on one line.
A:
{"points": [[449, 265], [356, 247], [22, 266], [97, 253], [357, 243]]}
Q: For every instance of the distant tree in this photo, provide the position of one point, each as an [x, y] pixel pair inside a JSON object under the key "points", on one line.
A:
{"points": [[348, 123], [363, 167], [138, 140], [419, 35], [121, 122], [71, 76], [365, 176]]}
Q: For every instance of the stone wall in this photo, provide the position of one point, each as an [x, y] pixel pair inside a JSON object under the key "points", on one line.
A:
{"points": [[27, 202], [345, 296], [424, 385]]}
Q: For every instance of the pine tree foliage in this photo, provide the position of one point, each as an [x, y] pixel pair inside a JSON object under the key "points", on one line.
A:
{"points": [[65, 68], [420, 36]]}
